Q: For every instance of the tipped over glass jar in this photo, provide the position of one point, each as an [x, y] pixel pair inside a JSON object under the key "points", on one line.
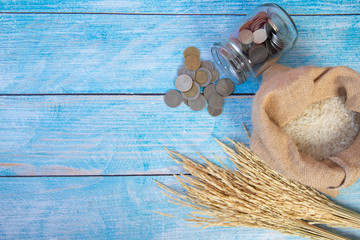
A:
{"points": [[255, 43]]}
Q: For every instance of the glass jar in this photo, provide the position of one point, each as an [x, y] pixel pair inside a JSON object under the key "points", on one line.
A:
{"points": [[255, 43]]}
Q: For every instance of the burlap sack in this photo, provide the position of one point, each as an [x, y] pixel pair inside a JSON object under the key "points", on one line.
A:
{"points": [[285, 93]]}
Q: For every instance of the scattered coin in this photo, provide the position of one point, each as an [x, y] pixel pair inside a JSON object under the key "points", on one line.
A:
{"points": [[191, 51], [258, 54], [225, 87], [260, 36], [192, 62], [184, 70], [210, 89], [208, 65], [203, 77], [216, 101], [215, 76], [183, 83], [246, 36], [173, 98], [214, 112], [198, 104], [193, 93], [195, 74]]}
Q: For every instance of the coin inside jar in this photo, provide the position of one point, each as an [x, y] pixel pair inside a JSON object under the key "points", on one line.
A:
{"points": [[268, 28], [191, 51], [273, 26], [203, 77], [258, 21], [192, 62], [260, 36], [193, 93], [246, 36], [183, 83], [258, 54]]}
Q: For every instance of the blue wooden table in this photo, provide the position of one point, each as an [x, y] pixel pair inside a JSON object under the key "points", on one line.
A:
{"points": [[82, 118]]}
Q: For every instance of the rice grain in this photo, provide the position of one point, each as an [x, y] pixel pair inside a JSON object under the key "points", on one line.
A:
{"points": [[325, 128]]}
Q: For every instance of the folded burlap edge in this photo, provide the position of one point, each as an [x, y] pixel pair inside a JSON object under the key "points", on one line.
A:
{"points": [[285, 93]]}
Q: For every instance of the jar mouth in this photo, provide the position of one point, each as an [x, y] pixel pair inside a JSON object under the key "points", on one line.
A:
{"points": [[231, 62]]}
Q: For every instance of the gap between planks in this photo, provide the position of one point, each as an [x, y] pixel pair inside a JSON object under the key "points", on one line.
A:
{"points": [[98, 176], [171, 14], [98, 94]]}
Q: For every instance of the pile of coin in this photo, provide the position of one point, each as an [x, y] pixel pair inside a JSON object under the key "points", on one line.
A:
{"points": [[259, 38], [196, 86]]}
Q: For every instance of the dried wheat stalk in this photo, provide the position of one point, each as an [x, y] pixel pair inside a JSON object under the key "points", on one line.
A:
{"points": [[254, 195]]}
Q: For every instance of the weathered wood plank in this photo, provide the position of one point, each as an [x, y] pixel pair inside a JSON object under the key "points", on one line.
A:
{"points": [[178, 7], [111, 208], [141, 54], [91, 135]]}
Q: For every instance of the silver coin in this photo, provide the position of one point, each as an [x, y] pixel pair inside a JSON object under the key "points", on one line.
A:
{"points": [[225, 87], [277, 42], [210, 89], [214, 112], [216, 101], [245, 36], [268, 28], [273, 26], [258, 54], [276, 21], [183, 83], [208, 65], [209, 76], [183, 70], [198, 104], [215, 76], [271, 50], [173, 98], [193, 95], [260, 36], [245, 48]]}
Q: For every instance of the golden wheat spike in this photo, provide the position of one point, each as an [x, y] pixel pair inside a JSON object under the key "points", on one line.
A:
{"points": [[254, 195]]}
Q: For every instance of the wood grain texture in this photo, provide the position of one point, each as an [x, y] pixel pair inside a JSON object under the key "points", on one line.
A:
{"points": [[136, 50], [141, 54], [112, 208], [177, 7], [92, 135]]}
